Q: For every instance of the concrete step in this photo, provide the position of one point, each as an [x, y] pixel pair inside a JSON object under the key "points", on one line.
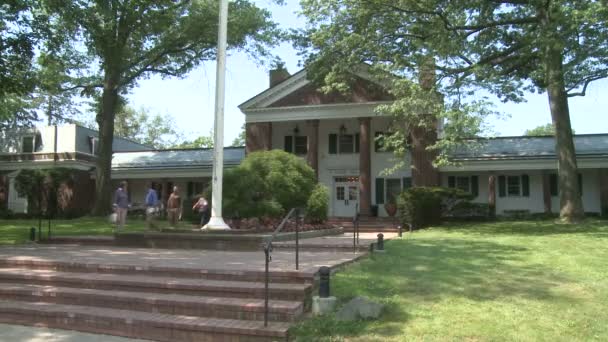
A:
{"points": [[177, 272], [143, 283], [81, 240], [137, 324], [200, 306]]}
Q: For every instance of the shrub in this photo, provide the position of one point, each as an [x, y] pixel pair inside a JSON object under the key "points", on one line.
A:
{"points": [[425, 206], [267, 184], [318, 204]]}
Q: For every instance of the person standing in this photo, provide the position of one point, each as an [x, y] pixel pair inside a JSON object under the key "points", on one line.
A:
{"points": [[202, 206], [152, 206], [174, 207], [121, 205]]}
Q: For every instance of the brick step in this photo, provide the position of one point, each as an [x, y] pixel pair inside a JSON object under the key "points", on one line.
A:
{"points": [[81, 240], [135, 324], [372, 230], [177, 272], [141, 283], [229, 308]]}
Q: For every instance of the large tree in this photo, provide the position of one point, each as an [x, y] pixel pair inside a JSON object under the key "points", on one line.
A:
{"points": [[128, 40], [506, 46]]}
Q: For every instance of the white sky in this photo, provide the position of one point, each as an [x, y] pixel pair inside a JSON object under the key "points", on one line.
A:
{"points": [[191, 100]]}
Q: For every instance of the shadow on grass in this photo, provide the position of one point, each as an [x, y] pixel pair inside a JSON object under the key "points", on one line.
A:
{"points": [[593, 227], [422, 272]]}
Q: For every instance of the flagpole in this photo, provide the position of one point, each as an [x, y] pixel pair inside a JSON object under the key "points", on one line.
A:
{"points": [[217, 222]]}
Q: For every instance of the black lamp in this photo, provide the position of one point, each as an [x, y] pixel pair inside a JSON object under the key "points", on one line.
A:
{"points": [[296, 130], [342, 129]]}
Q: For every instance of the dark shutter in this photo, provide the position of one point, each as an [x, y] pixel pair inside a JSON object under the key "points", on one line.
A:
{"points": [[379, 190], [357, 143], [475, 186], [553, 184], [502, 186], [190, 189], [333, 144], [580, 183], [407, 183], [289, 143], [525, 185], [451, 182]]}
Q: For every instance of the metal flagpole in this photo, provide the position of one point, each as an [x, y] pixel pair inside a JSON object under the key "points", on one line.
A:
{"points": [[217, 222]]}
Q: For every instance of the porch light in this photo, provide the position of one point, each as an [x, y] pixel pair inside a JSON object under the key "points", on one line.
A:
{"points": [[296, 130], [342, 129]]}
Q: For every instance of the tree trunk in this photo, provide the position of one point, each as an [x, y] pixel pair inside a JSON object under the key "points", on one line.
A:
{"points": [[103, 172], [424, 173], [571, 205]]}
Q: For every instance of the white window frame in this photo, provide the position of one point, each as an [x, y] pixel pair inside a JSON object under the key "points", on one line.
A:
{"points": [[519, 186]]}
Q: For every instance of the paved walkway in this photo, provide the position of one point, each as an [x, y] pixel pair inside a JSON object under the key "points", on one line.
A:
{"points": [[18, 333], [344, 240]]}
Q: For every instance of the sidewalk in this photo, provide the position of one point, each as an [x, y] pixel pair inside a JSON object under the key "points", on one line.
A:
{"points": [[18, 333]]}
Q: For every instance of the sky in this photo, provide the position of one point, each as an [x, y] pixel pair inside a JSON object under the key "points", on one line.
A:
{"points": [[190, 100]]}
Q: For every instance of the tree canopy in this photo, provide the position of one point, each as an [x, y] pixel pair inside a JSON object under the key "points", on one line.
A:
{"points": [[113, 44], [506, 47], [547, 129]]}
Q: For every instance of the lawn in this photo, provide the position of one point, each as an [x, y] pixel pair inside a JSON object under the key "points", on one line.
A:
{"points": [[505, 281], [17, 231]]}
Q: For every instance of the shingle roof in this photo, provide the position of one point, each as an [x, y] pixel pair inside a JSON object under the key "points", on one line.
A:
{"points": [[533, 147], [178, 158]]}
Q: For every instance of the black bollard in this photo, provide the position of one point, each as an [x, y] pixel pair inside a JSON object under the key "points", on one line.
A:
{"points": [[380, 245], [400, 231], [32, 234], [324, 272]]}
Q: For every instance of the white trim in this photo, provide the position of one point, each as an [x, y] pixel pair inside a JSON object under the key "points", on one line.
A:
{"points": [[272, 95], [328, 111], [518, 164], [45, 164]]}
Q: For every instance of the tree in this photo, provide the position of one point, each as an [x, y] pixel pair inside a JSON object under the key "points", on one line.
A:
{"points": [[141, 126], [547, 129], [125, 41], [240, 139], [18, 37], [204, 141], [505, 46], [344, 38]]}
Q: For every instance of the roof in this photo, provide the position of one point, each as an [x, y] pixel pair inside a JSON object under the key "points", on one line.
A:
{"points": [[530, 147], [175, 158]]}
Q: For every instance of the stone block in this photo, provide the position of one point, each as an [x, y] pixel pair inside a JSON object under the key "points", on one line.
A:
{"points": [[321, 306]]}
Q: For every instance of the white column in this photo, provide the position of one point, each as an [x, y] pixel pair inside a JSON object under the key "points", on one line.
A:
{"points": [[217, 222]]}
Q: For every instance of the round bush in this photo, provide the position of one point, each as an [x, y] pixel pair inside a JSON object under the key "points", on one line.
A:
{"points": [[318, 204]]}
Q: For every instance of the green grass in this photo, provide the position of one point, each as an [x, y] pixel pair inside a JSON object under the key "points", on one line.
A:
{"points": [[17, 231], [504, 281]]}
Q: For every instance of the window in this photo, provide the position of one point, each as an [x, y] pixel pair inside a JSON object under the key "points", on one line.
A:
{"points": [[195, 189], [393, 189], [468, 184], [27, 144], [94, 145], [296, 144], [343, 143], [514, 186]]}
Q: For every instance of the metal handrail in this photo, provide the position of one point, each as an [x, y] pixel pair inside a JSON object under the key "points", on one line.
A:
{"points": [[356, 228], [268, 249]]}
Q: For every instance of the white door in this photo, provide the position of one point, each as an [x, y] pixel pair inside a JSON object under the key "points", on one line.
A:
{"points": [[346, 196]]}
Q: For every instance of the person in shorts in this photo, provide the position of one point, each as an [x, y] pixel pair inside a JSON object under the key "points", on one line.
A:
{"points": [[202, 207], [174, 207]]}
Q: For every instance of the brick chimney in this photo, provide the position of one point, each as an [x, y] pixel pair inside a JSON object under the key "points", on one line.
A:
{"points": [[277, 76]]}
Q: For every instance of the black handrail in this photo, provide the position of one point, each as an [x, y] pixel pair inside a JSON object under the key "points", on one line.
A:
{"points": [[356, 228], [268, 249]]}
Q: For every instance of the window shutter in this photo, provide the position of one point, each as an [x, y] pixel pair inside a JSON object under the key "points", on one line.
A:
{"points": [[451, 182], [333, 144], [553, 184], [580, 183], [190, 189], [407, 183], [357, 143], [379, 190], [289, 143], [475, 186], [525, 185], [502, 186]]}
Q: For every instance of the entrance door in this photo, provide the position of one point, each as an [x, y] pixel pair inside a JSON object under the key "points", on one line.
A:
{"points": [[346, 196]]}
